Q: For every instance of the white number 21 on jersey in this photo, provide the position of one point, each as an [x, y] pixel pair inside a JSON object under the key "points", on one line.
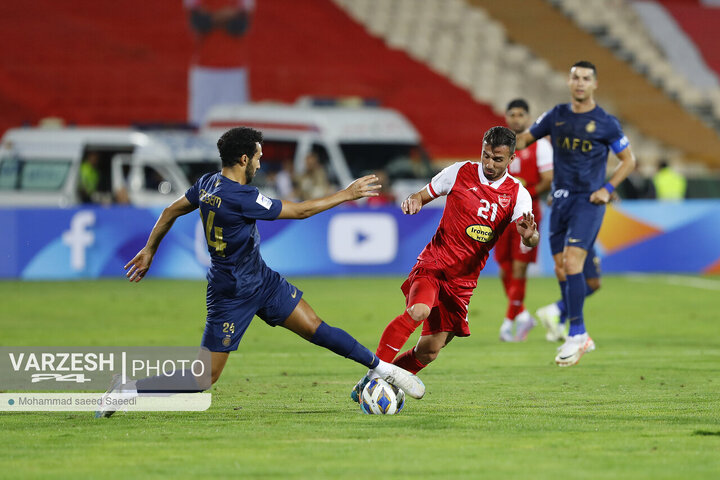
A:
{"points": [[486, 206]]}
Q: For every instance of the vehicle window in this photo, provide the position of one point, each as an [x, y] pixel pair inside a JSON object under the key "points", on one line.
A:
{"points": [[157, 181], [35, 174], [324, 158], [194, 170], [405, 161], [275, 153], [9, 173]]}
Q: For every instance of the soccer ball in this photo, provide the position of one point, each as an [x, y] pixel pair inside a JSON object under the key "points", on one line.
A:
{"points": [[380, 398]]}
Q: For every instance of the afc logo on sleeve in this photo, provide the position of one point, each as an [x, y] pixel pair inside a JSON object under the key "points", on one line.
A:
{"points": [[263, 201]]}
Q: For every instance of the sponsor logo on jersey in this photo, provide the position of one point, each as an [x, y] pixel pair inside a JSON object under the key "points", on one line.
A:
{"points": [[480, 233], [568, 143], [590, 127], [504, 200]]}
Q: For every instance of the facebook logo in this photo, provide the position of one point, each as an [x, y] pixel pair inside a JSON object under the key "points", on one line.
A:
{"points": [[362, 238], [79, 238]]}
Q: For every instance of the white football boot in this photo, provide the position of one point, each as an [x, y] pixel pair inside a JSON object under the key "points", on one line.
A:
{"points": [[573, 349], [506, 334], [549, 316], [402, 379], [524, 322]]}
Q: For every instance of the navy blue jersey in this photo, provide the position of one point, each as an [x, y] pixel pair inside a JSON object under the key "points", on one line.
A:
{"points": [[581, 143], [228, 211]]}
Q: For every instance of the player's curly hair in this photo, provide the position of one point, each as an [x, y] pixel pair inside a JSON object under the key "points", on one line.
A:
{"points": [[237, 142], [498, 136]]}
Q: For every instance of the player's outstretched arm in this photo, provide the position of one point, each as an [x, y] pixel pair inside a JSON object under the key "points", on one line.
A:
{"points": [[366, 186], [524, 139], [627, 165], [527, 228], [140, 264], [414, 203]]}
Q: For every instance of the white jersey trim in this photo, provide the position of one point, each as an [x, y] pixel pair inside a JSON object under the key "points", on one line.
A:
{"points": [[523, 203], [544, 155], [442, 183]]}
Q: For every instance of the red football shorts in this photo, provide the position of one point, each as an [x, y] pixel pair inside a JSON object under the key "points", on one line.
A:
{"points": [[448, 303]]}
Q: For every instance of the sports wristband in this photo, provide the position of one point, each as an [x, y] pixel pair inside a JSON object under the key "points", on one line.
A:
{"points": [[608, 186]]}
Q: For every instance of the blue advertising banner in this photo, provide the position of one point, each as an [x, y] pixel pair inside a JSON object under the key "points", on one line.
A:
{"points": [[639, 236]]}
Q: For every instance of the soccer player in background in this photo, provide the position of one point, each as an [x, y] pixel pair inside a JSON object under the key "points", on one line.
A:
{"points": [[582, 135], [482, 201], [533, 168], [240, 284]]}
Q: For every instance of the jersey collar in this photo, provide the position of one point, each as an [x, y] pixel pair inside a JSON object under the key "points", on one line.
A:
{"points": [[496, 184]]}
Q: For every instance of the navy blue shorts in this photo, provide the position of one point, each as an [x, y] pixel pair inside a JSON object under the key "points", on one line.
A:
{"points": [[228, 317], [574, 222]]}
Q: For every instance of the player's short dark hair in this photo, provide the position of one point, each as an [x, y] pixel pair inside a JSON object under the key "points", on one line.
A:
{"points": [[498, 136], [585, 64], [518, 103], [237, 142]]}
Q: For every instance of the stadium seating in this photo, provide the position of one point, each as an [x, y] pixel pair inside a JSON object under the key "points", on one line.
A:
{"points": [[105, 65], [618, 25], [464, 43], [92, 64], [642, 106], [700, 23]]}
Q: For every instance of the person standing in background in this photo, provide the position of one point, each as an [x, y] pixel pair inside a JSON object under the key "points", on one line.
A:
{"points": [[669, 184], [533, 167], [219, 67]]}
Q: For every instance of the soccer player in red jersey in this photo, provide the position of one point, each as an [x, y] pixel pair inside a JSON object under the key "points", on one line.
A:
{"points": [[482, 201], [533, 166]]}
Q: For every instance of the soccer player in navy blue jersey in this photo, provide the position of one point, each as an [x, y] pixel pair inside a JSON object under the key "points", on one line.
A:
{"points": [[582, 135], [240, 284]]}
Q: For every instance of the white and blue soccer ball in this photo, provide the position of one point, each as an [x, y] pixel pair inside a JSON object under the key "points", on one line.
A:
{"points": [[380, 398]]}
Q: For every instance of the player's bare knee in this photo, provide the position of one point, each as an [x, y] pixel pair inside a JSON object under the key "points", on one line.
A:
{"points": [[427, 355], [419, 312], [594, 284]]}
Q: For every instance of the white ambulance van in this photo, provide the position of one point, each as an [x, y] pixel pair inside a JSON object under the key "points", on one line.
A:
{"points": [[349, 141], [41, 166]]}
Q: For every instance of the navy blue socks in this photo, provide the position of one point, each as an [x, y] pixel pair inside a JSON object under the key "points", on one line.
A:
{"points": [[339, 341], [575, 298], [563, 308]]}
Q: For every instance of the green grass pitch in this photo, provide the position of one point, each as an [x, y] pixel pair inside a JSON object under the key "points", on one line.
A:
{"points": [[645, 404]]}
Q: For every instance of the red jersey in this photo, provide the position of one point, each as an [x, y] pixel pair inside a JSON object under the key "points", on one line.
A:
{"points": [[476, 213], [528, 165]]}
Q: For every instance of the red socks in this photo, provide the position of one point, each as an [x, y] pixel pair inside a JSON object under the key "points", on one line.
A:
{"points": [[516, 297], [394, 337], [506, 276], [409, 362]]}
